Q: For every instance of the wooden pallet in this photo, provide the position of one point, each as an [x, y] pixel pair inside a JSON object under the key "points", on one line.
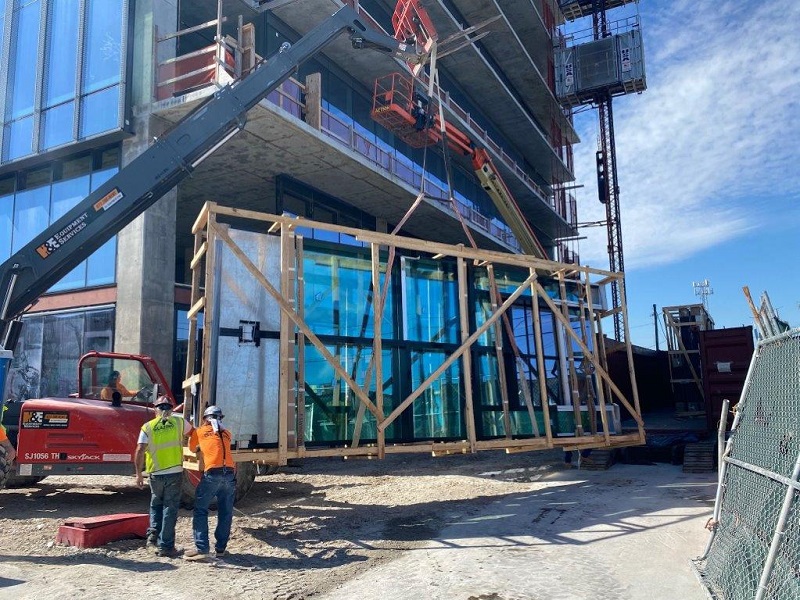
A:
{"points": [[600, 459], [699, 457]]}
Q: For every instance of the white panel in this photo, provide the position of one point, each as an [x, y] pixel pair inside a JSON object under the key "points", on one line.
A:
{"points": [[246, 374]]}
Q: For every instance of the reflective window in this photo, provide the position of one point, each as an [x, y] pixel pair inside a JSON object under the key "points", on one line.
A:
{"points": [[65, 195], [101, 266], [6, 216], [31, 211], [338, 297], [57, 125], [74, 103], [24, 49], [431, 301], [437, 412], [18, 138], [62, 52], [103, 57], [46, 357], [46, 194], [98, 114]]}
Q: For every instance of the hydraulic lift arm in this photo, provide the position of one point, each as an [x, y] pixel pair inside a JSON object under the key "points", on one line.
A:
{"points": [[71, 239], [504, 202]]}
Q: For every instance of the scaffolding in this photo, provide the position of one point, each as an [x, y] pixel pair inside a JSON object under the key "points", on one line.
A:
{"points": [[683, 326]]}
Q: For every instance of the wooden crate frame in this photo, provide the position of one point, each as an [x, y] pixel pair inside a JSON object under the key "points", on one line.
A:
{"points": [[208, 231]]}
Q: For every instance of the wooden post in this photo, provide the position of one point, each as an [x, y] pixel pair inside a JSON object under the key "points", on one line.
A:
{"points": [[573, 377], [377, 344], [286, 399], [301, 348], [466, 359], [590, 377], [629, 350], [313, 107], [498, 351], [540, 366]]}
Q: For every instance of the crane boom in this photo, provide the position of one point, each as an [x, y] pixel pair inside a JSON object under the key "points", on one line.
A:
{"points": [[504, 202], [58, 249]]}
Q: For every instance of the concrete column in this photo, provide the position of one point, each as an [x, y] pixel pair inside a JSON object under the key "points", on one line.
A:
{"points": [[146, 268]]}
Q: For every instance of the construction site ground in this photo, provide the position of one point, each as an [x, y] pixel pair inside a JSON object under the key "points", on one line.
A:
{"points": [[490, 526]]}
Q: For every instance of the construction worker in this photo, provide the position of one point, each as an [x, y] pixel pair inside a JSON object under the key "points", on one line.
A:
{"points": [[160, 451], [115, 385], [212, 443]]}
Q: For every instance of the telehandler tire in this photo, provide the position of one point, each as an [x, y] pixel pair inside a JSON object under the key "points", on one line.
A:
{"points": [[6, 469]]}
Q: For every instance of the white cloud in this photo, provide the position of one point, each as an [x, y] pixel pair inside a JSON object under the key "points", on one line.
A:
{"points": [[709, 151]]}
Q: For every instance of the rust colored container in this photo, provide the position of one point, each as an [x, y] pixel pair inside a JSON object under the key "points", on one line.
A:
{"points": [[725, 357]]}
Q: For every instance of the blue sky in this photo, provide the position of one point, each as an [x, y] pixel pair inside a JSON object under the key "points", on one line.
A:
{"points": [[708, 162]]}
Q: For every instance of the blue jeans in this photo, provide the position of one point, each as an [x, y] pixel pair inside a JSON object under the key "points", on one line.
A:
{"points": [[219, 484], [165, 499]]}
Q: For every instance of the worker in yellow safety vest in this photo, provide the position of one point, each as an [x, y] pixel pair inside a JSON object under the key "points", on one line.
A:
{"points": [[160, 451]]}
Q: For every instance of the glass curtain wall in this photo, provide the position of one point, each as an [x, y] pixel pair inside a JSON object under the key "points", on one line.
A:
{"points": [[31, 200], [46, 357], [420, 329], [64, 78]]}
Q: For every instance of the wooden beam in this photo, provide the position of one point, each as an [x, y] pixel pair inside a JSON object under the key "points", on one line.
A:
{"points": [[466, 359], [453, 357], [540, 366]]}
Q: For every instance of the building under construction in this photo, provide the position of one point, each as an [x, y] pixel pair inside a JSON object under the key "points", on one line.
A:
{"points": [[415, 220]]}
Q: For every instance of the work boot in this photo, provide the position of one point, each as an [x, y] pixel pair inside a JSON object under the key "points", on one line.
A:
{"points": [[220, 554], [152, 541], [195, 555], [170, 552]]}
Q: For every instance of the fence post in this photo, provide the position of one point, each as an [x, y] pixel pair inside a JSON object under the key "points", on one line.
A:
{"points": [[777, 538]]}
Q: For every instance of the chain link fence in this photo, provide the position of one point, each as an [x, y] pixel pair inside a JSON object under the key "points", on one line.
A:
{"points": [[754, 550]]}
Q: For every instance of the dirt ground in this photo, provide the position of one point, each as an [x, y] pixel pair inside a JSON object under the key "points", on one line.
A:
{"points": [[323, 525]]}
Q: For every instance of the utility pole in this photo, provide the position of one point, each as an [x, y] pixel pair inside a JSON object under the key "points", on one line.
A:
{"points": [[655, 325]]}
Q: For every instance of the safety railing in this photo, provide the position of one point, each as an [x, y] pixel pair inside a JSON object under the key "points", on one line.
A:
{"points": [[346, 133]]}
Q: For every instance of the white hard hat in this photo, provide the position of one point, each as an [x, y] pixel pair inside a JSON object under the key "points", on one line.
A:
{"points": [[213, 411]]}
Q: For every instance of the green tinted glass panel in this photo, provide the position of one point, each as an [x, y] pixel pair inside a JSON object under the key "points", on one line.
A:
{"points": [[437, 411], [430, 301]]}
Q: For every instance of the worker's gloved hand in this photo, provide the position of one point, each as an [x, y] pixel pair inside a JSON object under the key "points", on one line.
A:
{"points": [[140, 481]]}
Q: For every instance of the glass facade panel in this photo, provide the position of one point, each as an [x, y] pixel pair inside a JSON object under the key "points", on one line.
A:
{"points": [[101, 266], [431, 301], [61, 53], [47, 194], [65, 195], [24, 49], [338, 296], [104, 54], [100, 112], [43, 105], [331, 408], [46, 357], [57, 126], [31, 212], [6, 224], [437, 412], [18, 138]]}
